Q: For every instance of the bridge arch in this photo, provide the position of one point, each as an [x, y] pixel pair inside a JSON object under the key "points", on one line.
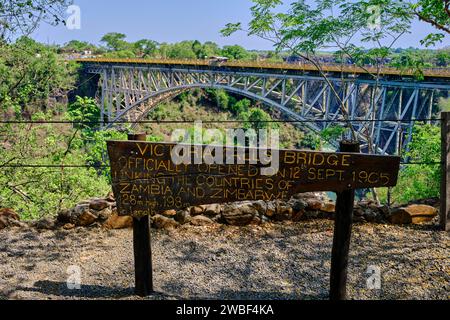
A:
{"points": [[130, 89], [171, 93]]}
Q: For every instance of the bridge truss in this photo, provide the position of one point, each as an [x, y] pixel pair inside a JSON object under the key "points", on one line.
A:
{"points": [[129, 92]]}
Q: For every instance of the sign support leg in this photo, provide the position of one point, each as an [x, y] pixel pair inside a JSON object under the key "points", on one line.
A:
{"points": [[342, 236], [445, 181], [142, 248]]}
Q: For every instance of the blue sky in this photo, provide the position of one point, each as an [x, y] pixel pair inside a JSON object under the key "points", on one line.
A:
{"points": [[172, 21]]}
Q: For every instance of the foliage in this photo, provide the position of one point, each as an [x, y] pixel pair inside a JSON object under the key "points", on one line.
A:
{"points": [[235, 52], [332, 133], [115, 41], [36, 192], [22, 17], [257, 119], [420, 181], [96, 149], [435, 13], [411, 61], [242, 106], [31, 73], [444, 104], [84, 110]]}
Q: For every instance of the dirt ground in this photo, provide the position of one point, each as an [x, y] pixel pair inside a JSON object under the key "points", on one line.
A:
{"points": [[273, 262]]}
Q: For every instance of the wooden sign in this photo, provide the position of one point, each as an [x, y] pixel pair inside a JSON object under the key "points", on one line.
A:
{"points": [[146, 181]]}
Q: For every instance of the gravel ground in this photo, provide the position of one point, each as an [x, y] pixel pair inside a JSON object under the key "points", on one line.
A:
{"points": [[282, 261]]}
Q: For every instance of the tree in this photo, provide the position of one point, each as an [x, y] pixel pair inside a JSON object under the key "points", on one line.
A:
{"points": [[257, 119], [115, 41], [241, 106], [30, 74], [433, 12], [235, 52], [145, 48], [22, 17], [78, 46]]}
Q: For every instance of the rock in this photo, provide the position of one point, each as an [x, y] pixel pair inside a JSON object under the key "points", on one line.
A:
{"points": [[64, 216], [197, 210], [98, 204], [79, 210], [169, 213], [298, 215], [86, 218], [313, 204], [161, 222], [212, 210], [384, 210], [7, 218], [110, 197], [271, 209], [69, 226], [183, 217], [239, 214], [284, 213], [118, 222], [414, 214], [328, 207], [201, 221], [104, 214], [44, 224], [298, 205], [260, 206]]}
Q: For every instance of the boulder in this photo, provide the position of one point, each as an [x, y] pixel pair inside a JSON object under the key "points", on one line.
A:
{"points": [[161, 222], [313, 204], [284, 212], [98, 204], [328, 207], [110, 197], [298, 205], [413, 214], [169, 213], [78, 210], [86, 218], [8, 218], [183, 217], [118, 222], [69, 226], [201, 221], [44, 224], [64, 216], [104, 214], [271, 209], [212, 210], [197, 210], [239, 214]]}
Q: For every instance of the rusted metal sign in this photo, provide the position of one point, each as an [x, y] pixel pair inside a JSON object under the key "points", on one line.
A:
{"points": [[146, 179]]}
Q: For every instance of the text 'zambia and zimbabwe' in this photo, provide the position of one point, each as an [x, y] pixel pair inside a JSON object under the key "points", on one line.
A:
{"points": [[148, 179]]}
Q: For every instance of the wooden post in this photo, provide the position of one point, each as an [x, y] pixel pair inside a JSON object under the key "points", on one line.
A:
{"points": [[342, 235], [142, 247], [445, 167]]}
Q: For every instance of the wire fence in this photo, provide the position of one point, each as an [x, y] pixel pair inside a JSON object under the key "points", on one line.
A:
{"points": [[106, 166]]}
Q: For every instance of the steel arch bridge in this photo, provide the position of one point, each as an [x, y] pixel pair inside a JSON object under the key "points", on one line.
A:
{"points": [[130, 89]]}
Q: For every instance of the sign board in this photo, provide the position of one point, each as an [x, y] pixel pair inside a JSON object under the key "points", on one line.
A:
{"points": [[147, 181]]}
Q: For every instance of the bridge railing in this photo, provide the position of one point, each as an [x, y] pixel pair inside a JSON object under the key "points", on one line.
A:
{"points": [[429, 72]]}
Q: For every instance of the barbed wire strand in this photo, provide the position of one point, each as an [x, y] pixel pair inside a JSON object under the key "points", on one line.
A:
{"points": [[214, 121]]}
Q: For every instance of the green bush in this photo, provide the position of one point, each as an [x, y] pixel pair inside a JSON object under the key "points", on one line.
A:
{"points": [[420, 181]]}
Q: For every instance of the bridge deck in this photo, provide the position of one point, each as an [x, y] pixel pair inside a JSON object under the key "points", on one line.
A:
{"points": [[437, 73]]}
